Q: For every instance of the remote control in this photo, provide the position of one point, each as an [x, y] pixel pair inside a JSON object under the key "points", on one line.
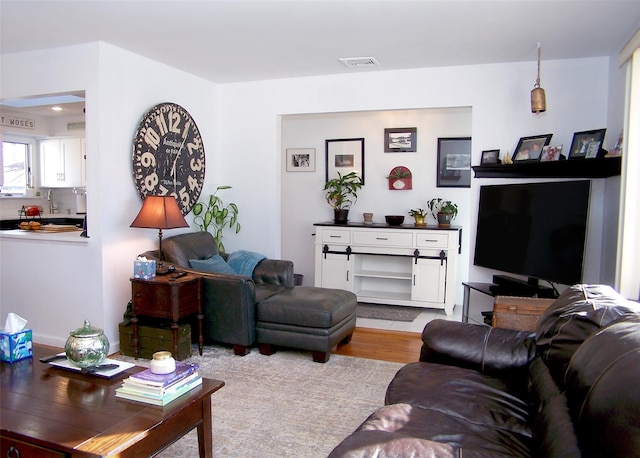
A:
{"points": [[178, 275]]}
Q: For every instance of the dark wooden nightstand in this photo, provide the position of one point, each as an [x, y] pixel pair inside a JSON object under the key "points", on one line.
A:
{"points": [[170, 298]]}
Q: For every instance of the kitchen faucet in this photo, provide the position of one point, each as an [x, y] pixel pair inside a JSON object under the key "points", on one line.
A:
{"points": [[52, 209]]}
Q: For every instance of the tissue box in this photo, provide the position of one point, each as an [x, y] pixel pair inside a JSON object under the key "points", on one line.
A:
{"points": [[144, 269], [16, 346]]}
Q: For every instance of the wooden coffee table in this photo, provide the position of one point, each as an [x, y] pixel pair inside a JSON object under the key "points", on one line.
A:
{"points": [[46, 411]]}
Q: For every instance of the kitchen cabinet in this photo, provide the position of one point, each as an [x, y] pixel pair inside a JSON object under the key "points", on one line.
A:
{"points": [[62, 163], [396, 265]]}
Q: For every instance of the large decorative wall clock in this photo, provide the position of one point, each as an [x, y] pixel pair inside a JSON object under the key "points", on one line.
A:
{"points": [[168, 155]]}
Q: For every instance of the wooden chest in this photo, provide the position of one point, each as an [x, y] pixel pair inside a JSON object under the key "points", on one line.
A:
{"points": [[155, 338], [519, 313]]}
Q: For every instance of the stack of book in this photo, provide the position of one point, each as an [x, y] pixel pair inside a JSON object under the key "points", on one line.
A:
{"points": [[160, 389]]}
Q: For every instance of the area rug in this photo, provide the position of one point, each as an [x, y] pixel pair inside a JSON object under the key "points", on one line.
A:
{"points": [[387, 312], [284, 405]]}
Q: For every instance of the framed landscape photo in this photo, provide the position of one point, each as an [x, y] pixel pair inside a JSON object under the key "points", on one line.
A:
{"points": [[490, 156], [344, 155], [530, 148], [551, 153], [587, 144], [400, 140], [454, 162], [301, 159]]}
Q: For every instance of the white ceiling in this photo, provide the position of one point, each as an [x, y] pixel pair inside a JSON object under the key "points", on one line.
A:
{"points": [[234, 40]]}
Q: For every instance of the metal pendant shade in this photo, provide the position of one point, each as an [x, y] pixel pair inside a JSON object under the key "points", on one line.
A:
{"points": [[538, 98]]}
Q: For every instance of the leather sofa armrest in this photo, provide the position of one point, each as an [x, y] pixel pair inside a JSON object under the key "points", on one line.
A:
{"points": [[488, 350], [274, 272]]}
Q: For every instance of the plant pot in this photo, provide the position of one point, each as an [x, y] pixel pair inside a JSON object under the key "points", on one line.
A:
{"points": [[340, 216], [420, 220], [444, 219]]}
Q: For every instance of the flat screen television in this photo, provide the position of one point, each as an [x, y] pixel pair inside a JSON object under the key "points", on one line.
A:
{"points": [[537, 230]]}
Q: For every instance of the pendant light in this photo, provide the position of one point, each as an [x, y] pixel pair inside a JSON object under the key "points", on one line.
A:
{"points": [[538, 99]]}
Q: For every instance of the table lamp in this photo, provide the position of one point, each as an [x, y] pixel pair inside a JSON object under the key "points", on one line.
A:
{"points": [[160, 212]]}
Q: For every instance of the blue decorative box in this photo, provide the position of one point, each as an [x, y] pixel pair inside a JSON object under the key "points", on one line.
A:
{"points": [[16, 346], [144, 269]]}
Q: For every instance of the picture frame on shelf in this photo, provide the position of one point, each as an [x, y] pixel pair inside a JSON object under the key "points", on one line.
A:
{"points": [[530, 148], [344, 155], [551, 153], [587, 144], [454, 162], [400, 140], [301, 159], [490, 156]]}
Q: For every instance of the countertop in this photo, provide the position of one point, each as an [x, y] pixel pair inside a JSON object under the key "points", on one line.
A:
{"points": [[44, 236], [387, 226]]}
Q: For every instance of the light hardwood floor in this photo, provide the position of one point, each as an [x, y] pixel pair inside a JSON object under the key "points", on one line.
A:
{"points": [[383, 344]]}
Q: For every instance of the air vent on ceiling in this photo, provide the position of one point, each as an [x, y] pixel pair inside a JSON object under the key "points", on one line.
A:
{"points": [[357, 62]]}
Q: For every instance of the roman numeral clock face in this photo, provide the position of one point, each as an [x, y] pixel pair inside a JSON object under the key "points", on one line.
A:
{"points": [[168, 155]]}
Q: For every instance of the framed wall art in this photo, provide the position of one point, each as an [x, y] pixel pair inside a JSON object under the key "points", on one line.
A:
{"points": [[551, 153], [587, 144], [490, 156], [400, 140], [301, 159], [454, 162], [344, 155], [530, 148]]}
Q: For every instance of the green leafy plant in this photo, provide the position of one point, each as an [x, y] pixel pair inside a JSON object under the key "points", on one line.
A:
{"points": [[438, 205], [218, 215], [342, 192], [420, 213], [400, 172]]}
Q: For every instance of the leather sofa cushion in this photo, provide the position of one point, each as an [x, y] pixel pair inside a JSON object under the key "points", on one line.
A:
{"points": [[462, 437], [579, 312], [603, 389], [307, 306], [192, 245], [553, 433], [464, 394]]}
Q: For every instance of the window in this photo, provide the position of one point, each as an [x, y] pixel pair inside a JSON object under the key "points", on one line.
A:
{"points": [[16, 168]]}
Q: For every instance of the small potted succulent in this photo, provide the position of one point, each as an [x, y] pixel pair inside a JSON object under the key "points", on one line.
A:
{"points": [[419, 215], [342, 192], [444, 211]]}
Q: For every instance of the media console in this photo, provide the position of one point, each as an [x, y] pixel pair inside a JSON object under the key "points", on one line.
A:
{"points": [[396, 265]]}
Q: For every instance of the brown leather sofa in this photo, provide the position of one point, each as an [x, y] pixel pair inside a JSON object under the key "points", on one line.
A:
{"points": [[571, 389]]}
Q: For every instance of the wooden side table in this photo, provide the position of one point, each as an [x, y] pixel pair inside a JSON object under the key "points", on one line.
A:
{"points": [[166, 297]]}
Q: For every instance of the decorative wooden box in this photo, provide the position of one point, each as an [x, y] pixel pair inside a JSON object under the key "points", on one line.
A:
{"points": [[519, 313], [155, 338]]}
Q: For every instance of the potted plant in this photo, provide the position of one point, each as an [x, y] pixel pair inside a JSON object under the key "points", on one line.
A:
{"points": [[419, 215], [218, 215], [342, 192], [399, 178], [444, 211]]}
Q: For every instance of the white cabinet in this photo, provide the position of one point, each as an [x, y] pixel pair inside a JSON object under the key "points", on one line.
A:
{"points": [[62, 163], [381, 264]]}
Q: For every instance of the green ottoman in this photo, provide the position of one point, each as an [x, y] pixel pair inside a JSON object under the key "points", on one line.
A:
{"points": [[306, 318]]}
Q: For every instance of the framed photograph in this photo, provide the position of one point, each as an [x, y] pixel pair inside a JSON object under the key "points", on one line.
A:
{"points": [[400, 140], [490, 156], [454, 162], [301, 159], [344, 155], [551, 153], [530, 148], [587, 144]]}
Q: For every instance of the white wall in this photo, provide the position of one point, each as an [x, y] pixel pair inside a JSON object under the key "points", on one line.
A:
{"points": [[240, 125], [251, 143], [303, 204], [93, 281]]}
